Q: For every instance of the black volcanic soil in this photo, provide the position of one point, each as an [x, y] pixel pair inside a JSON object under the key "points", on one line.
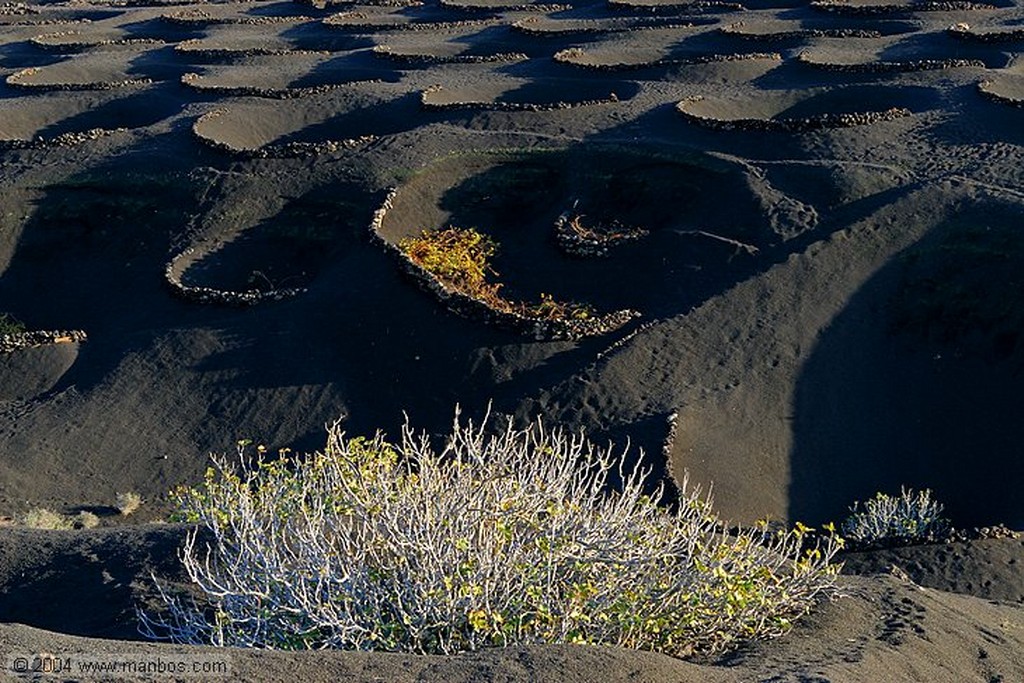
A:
{"points": [[828, 310]]}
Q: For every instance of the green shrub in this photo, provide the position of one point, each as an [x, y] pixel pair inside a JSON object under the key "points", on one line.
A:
{"points": [[911, 517], [460, 260], [458, 257], [10, 325], [501, 538]]}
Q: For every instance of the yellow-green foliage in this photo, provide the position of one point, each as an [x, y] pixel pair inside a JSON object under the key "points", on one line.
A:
{"points": [[460, 259], [457, 257]]}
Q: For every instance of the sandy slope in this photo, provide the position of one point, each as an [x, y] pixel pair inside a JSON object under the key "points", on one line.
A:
{"points": [[886, 628]]}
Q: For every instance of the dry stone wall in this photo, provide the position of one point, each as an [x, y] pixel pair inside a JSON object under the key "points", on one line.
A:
{"points": [[429, 104], [847, 9], [27, 340], [794, 125], [466, 306], [209, 295], [21, 79], [892, 67]]}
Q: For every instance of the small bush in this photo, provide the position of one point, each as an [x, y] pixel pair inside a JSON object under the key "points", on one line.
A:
{"points": [[85, 520], [502, 538], [127, 503], [911, 517], [460, 259], [41, 518], [10, 325]]}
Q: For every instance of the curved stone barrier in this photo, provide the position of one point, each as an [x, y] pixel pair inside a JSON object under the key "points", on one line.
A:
{"points": [[540, 329], [71, 139], [297, 150], [37, 15], [432, 99], [500, 6], [547, 27], [675, 6], [689, 111], [195, 18], [17, 9], [48, 22], [988, 36], [23, 79], [196, 82], [389, 53], [28, 340], [778, 30], [736, 30], [672, 431], [998, 92], [577, 57], [331, 4], [177, 266], [70, 41], [866, 10], [888, 67], [201, 48], [363, 22], [151, 4]]}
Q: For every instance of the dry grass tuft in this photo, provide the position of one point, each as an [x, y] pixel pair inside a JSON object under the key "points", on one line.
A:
{"points": [[127, 503], [42, 518]]}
